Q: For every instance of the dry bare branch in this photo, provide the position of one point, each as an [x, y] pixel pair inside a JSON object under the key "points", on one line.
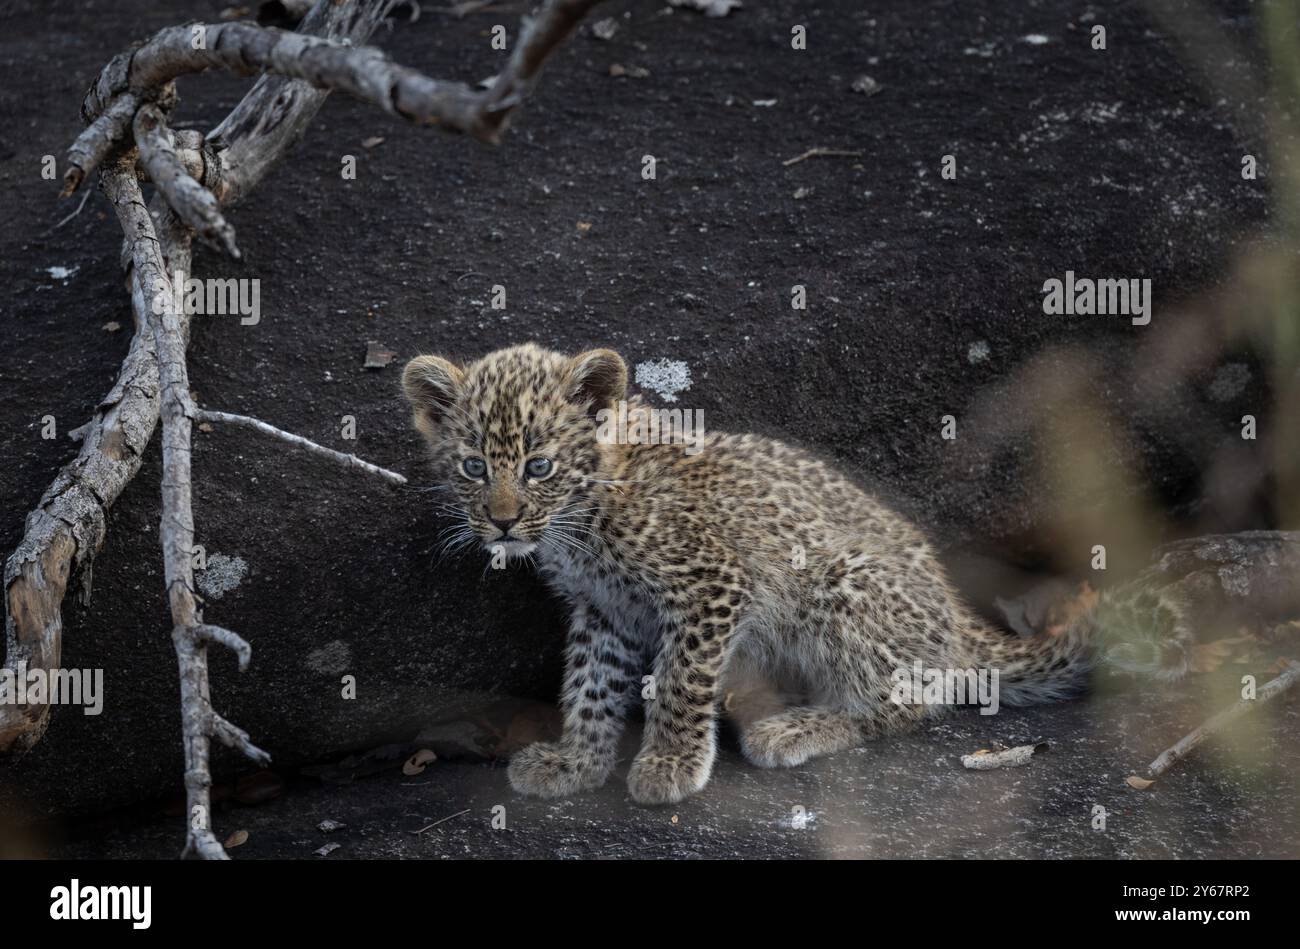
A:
{"points": [[364, 72], [348, 461], [67, 528], [1190, 742], [64, 532], [125, 111], [176, 530], [538, 38], [195, 204], [100, 136], [232, 641], [250, 140]]}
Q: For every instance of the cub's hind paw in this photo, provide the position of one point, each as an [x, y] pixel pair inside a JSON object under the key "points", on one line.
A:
{"points": [[665, 778], [548, 769], [791, 738]]}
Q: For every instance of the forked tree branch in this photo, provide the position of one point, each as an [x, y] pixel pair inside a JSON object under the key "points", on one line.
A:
{"points": [[199, 722], [127, 136], [65, 531], [363, 72], [184, 193]]}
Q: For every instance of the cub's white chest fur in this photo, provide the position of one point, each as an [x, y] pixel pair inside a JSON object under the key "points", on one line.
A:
{"points": [[624, 603]]}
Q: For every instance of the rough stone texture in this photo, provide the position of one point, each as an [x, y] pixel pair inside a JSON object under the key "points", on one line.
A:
{"points": [[924, 295], [906, 797]]}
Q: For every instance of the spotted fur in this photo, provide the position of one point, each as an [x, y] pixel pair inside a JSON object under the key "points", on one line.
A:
{"points": [[750, 579]]}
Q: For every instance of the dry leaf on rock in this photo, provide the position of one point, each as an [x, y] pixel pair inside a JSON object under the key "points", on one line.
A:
{"points": [[418, 762], [986, 760], [377, 357]]}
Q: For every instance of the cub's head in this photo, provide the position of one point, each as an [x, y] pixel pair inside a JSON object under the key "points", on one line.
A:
{"points": [[514, 438]]}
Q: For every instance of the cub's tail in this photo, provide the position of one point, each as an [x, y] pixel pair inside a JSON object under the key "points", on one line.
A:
{"points": [[1144, 635]]}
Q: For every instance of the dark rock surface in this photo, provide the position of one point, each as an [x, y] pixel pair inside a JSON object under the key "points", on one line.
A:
{"points": [[906, 797], [924, 296]]}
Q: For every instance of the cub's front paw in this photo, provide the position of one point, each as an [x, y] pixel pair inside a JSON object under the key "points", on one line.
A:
{"points": [[547, 769], [663, 778]]}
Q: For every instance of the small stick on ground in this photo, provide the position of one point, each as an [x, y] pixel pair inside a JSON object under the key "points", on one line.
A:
{"points": [[348, 461], [437, 822], [84, 198], [1185, 746], [822, 153]]}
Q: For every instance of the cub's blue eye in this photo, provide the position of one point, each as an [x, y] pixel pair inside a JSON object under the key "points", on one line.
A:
{"points": [[538, 467], [474, 467]]}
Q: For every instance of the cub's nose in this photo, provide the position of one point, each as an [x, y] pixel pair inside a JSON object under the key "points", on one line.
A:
{"points": [[503, 524]]}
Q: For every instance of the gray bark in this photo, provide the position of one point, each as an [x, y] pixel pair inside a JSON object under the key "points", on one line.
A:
{"points": [[65, 531], [181, 191], [125, 111], [199, 722]]}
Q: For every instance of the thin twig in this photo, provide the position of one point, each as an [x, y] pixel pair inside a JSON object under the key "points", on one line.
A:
{"points": [[462, 10], [232, 641], [1185, 746], [822, 153], [349, 461], [437, 822], [84, 198]]}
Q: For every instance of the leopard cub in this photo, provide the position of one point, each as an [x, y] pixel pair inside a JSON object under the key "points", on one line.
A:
{"points": [[743, 577]]}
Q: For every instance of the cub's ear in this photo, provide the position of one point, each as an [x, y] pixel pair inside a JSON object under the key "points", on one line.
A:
{"points": [[431, 384], [597, 379]]}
